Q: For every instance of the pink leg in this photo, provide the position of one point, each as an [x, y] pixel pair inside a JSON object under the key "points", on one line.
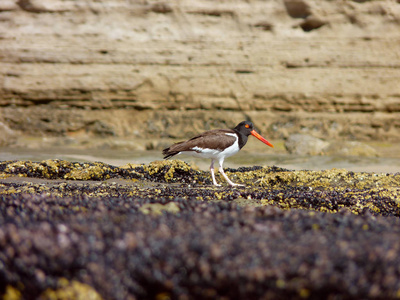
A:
{"points": [[227, 179], [212, 173], [221, 170]]}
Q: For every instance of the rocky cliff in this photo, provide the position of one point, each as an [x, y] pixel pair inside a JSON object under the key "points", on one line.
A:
{"points": [[154, 69]]}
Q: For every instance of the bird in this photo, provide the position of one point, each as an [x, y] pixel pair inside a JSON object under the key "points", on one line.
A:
{"points": [[216, 144]]}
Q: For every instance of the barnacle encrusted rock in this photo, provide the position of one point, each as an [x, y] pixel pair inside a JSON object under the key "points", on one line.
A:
{"points": [[136, 231], [172, 171], [51, 249], [328, 191]]}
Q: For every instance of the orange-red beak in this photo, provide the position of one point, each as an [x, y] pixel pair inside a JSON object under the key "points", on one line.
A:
{"points": [[254, 133]]}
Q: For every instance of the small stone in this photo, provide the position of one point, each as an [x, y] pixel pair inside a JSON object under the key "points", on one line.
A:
{"points": [[302, 144]]}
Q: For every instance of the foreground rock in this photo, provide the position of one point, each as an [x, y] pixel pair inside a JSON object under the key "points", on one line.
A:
{"points": [[161, 230]]}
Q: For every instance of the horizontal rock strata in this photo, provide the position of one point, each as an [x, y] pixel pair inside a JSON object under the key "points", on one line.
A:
{"points": [[168, 69]]}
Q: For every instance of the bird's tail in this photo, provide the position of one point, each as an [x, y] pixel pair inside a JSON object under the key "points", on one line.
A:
{"points": [[168, 152], [173, 150]]}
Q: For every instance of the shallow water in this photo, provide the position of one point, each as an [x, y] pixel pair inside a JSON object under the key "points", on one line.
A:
{"points": [[243, 158]]}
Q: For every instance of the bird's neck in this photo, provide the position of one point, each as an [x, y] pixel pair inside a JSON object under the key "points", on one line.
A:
{"points": [[242, 138]]}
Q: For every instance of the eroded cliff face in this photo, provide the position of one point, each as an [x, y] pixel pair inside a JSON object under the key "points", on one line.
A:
{"points": [[171, 69]]}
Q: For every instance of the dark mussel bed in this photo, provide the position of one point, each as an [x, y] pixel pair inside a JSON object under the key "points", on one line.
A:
{"points": [[163, 231]]}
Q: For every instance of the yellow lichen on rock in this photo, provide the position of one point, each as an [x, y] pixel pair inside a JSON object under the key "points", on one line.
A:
{"points": [[326, 191], [12, 293], [334, 178], [172, 165], [13, 167], [87, 173], [53, 165], [130, 166], [273, 179], [155, 166], [71, 290], [157, 209]]}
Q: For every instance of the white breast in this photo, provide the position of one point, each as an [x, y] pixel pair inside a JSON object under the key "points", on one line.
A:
{"points": [[231, 150]]}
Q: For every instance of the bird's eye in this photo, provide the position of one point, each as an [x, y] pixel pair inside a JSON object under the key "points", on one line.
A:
{"points": [[247, 126]]}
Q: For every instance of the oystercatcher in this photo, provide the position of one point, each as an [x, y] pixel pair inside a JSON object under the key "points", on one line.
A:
{"points": [[216, 144]]}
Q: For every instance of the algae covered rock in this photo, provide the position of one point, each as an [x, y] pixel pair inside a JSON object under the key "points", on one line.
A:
{"points": [[328, 190], [172, 171], [137, 232], [61, 169]]}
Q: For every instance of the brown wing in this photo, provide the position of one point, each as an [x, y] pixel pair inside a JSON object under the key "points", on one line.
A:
{"points": [[214, 139]]}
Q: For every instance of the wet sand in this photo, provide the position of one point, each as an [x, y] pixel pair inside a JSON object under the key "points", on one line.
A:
{"points": [[390, 163]]}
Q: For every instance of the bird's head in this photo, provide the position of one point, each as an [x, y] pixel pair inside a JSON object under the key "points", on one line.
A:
{"points": [[247, 128]]}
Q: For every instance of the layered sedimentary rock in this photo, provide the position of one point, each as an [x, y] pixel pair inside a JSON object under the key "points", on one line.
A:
{"points": [[171, 69]]}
